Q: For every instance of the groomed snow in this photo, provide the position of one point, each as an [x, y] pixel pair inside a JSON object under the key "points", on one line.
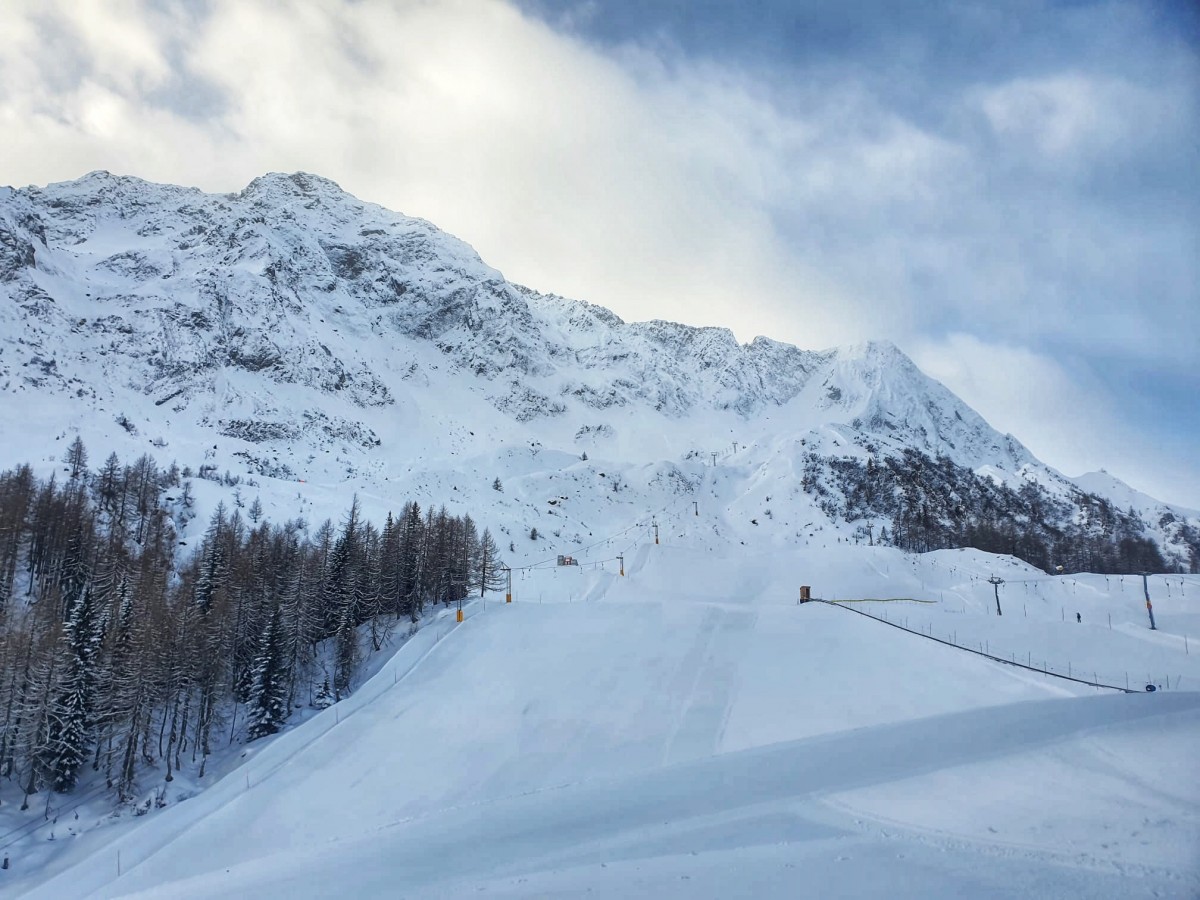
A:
{"points": [[689, 730]]}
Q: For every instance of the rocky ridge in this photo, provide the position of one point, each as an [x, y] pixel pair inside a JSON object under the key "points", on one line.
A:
{"points": [[293, 330]]}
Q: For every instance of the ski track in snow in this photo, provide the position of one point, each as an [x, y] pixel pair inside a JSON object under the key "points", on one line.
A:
{"points": [[604, 748], [541, 744], [761, 797]]}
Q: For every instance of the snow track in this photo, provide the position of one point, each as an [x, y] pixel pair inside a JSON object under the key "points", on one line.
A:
{"points": [[683, 728], [732, 806]]}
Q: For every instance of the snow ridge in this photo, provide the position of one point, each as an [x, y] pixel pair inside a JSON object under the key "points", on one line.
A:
{"points": [[292, 330], [176, 286]]}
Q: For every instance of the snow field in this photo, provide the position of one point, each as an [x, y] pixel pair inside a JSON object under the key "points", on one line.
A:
{"points": [[689, 721]]}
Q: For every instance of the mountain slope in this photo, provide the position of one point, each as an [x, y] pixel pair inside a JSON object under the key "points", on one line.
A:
{"points": [[292, 332]]}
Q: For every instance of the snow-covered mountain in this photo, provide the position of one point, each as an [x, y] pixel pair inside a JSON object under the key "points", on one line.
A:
{"points": [[661, 719], [293, 332]]}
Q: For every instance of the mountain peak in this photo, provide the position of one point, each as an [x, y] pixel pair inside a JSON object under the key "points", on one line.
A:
{"points": [[294, 328], [103, 179], [295, 184], [875, 350]]}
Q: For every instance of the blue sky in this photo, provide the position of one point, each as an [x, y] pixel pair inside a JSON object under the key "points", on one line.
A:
{"points": [[1009, 191]]}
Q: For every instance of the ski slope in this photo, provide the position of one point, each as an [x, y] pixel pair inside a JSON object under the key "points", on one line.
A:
{"points": [[690, 730]]}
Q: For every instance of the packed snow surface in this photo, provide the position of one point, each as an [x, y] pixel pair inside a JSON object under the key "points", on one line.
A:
{"points": [[689, 729]]}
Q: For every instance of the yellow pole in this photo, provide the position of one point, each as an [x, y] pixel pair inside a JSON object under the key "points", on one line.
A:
{"points": [[508, 596], [622, 559]]}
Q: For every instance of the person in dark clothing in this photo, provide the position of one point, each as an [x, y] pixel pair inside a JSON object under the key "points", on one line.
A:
{"points": [[1078, 617]]}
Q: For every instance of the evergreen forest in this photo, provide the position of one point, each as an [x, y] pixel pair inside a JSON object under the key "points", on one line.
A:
{"points": [[920, 503], [123, 652]]}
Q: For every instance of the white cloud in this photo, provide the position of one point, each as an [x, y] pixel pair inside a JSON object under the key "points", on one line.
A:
{"points": [[1071, 118], [644, 187], [1056, 116]]}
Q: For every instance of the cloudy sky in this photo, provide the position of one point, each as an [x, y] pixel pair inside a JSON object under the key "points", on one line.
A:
{"points": [[1010, 191]]}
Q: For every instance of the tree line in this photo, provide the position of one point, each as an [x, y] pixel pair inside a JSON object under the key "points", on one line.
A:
{"points": [[919, 503], [120, 651]]}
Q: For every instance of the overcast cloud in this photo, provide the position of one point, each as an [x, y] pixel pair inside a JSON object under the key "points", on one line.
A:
{"points": [[1007, 191]]}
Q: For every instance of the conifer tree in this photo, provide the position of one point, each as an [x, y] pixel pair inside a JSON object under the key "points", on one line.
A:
{"points": [[412, 543], [76, 459], [341, 600], [490, 576], [112, 649], [268, 700]]}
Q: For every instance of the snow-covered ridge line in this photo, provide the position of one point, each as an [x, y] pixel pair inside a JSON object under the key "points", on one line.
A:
{"points": [[294, 332], [290, 247]]}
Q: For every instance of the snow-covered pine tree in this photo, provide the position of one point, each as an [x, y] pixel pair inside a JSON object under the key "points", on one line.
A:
{"points": [[142, 480], [438, 556], [412, 543], [341, 600], [213, 566], [36, 749], [304, 620], [209, 653], [389, 566], [369, 599], [267, 705], [70, 713], [110, 490]]}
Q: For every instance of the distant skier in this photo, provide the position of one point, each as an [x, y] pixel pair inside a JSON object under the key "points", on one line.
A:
{"points": [[1078, 617]]}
